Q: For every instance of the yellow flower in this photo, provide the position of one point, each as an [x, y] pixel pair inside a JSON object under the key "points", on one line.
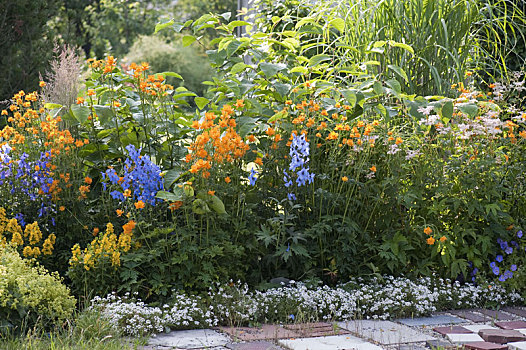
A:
{"points": [[345, 178]]}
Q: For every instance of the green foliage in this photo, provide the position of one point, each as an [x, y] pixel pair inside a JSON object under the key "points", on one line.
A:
{"points": [[438, 42], [165, 56], [30, 294]]}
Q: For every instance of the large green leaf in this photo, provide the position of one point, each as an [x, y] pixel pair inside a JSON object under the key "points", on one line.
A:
{"points": [[81, 113], [188, 40], [399, 71], [171, 74], [172, 176], [315, 60], [470, 109], [201, 102], [350, 96], [270, 69]]}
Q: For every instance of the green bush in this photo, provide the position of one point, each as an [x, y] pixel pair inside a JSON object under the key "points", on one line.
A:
{"points": [[30, 294], [164, 55]]}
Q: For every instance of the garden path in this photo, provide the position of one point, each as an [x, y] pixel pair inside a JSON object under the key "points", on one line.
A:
{"points": [[477, 329]]}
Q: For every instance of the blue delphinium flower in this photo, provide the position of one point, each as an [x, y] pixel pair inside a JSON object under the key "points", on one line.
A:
{"points": [[141, 176], [299, 158], [252, 177]]}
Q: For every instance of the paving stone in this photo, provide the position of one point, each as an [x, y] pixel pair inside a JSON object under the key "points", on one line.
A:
{"points": [[190, 339], [516, 310], [439, 343], [261, 333], [385, 332], [511, 324], [452, 329], [334, 342], [468, 315], [501, 336], [475, 328], [464, 338], [411, 347], [496, 315], [319, 329], [521, 345], [430, 321], [257, 345], [484, 345]]}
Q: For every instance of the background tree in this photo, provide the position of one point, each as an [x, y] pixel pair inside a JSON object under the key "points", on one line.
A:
{"points": [[25, 42]]}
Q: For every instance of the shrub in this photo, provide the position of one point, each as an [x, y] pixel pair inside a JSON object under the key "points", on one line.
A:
{"points": [[30, 294], [169, 55]]}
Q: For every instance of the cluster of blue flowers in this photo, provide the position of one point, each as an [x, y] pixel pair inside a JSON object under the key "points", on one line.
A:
{"points": [[299, 157], [508, 249], [141, 177], [24, 176]]}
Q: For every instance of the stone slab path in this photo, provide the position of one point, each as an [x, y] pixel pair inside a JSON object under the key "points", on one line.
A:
{"points": [[478, 329]]}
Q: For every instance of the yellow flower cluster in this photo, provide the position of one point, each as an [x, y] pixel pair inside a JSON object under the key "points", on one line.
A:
{"points": [[105, 247], [27, 239]]}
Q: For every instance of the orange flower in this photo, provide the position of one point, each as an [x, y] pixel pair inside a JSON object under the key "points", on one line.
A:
{"points": [[96, 231], [175, 205], [373, 169], [345, 178], [332, 136], [270, 131], [127, 193], [399, 140], [443, 239], [430, 241], [428, 230], [259, 161], [239, 104], [91, 92], [119, 212], [62, 208], [139, 205], [227, 179], [42, 83], [211, 192], [88, 180], [80, 100]]}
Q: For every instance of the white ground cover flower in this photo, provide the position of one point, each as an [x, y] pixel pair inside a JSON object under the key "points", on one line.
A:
{"points": [[235, 304]]}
